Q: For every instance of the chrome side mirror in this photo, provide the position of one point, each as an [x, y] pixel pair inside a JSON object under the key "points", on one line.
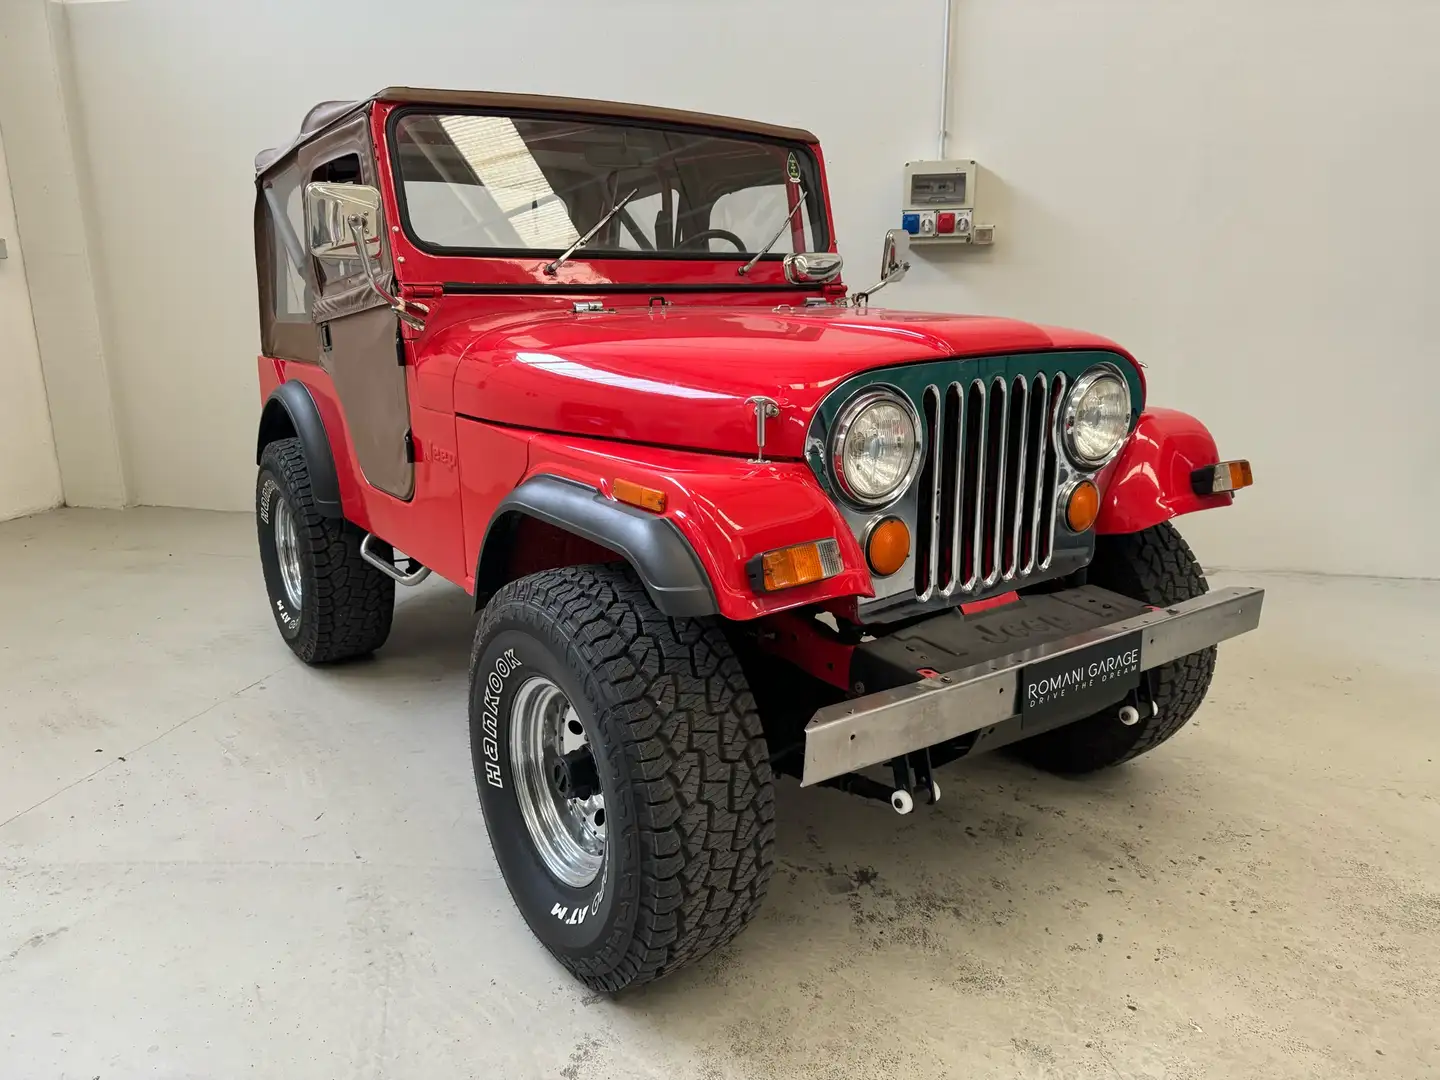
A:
{"points": [[812, 267], [329, 208], [345, 222], [894, 256], [894, 262]]}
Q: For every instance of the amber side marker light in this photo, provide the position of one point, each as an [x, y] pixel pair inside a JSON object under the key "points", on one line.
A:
{"points": [[627, 491], [1082, 507], [1218, 479], [888, 546], [786, 567]]}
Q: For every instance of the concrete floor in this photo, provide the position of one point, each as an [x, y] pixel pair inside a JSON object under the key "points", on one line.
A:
{"points": [[217, 862]]}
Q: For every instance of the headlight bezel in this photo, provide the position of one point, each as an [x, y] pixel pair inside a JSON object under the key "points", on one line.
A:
{"points": [[1068, 415], [845, 419]]}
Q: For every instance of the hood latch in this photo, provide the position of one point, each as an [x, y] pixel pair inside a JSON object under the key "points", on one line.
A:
{"points": [[766, 408]]}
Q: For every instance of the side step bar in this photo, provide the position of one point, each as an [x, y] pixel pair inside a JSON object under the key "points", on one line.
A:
{"points": [[388, 568], [880, 727]]}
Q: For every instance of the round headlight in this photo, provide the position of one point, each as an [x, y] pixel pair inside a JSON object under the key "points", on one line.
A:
{"points": [[1097, 417], [875, 449]]}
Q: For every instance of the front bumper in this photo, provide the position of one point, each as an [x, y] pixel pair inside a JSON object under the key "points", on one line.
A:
{"points": [[866, 731]]}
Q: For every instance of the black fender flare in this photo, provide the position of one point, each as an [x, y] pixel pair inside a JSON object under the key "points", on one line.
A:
{"points": [[662, 557], [291, 409]]}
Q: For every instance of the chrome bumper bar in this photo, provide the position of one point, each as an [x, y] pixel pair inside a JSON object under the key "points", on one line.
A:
{"points": [[872, 729]]}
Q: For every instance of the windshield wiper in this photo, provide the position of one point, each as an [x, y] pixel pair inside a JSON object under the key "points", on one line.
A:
{"points": [[551, 268], [774, 239]]}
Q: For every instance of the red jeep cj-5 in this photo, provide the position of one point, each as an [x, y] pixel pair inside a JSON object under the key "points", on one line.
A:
{"points": [[722, 518]]}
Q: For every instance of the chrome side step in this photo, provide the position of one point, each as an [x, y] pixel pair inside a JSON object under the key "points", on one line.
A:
{"points": [[388, 568], [852, 735]]}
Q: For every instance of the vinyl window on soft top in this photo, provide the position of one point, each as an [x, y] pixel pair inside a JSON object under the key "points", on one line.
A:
{"points": [[290, 291], [485, 184]]}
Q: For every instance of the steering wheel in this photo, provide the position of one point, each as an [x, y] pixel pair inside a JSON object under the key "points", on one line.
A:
{"points": [[721, 234]]}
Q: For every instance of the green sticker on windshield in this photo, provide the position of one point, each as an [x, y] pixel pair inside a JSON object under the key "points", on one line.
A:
{"points": [[792, 168]]}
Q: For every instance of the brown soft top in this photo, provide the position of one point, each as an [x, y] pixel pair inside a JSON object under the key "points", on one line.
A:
{"points": [[327, 112]]}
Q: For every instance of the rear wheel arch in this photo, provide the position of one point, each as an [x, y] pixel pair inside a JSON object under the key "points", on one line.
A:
{"points": [[291, 412], [583, 526]]}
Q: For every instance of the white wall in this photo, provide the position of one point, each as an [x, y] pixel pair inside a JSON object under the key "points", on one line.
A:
{"points": [[1180, 177], [43, 123], [1244, 193], [29, 474], [178, 96]]}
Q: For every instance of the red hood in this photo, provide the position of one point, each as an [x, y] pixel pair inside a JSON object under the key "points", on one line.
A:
{"points": [[680, 377]]}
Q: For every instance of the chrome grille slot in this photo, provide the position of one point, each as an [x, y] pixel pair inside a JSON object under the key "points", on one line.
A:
{"points": [[987, 491], [974, 444], [993, 489], [1045, 520], [928, 507], [1014, 497], [1037, 413], [945, 568]]}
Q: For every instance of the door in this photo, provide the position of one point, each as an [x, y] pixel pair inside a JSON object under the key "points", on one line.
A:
{"points": [[361, 349], [364, 357]]}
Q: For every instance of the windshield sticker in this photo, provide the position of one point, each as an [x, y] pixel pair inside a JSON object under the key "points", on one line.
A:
{"points": [[792, 168]]}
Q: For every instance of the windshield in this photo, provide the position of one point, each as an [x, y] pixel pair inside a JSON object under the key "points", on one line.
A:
{"points": [[500, 185]]}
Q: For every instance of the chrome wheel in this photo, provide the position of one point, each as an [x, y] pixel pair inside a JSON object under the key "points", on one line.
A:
{"points": [[287, 551], [557, 783]]}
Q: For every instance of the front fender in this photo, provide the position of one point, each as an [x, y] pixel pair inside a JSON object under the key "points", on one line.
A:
{"points": [[652, 545], [727, 509], [1150, 481]]}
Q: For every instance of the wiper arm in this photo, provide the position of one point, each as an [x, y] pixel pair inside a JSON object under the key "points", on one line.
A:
{"points": [[552, 267], [774, 239]]}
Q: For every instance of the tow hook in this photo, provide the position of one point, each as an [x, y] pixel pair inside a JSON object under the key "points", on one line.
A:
{"points": [[911, 775], [1139, 703]]}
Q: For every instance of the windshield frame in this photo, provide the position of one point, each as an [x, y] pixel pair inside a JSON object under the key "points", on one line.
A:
{"points": [[813, 177]]}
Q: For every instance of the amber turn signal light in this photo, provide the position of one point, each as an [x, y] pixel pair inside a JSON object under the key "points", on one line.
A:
{"points": [[1218, 479], [1083, 506], [888, 546], [784, 568], [627, 491]]}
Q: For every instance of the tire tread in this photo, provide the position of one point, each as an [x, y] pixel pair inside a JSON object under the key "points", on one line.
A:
{"points": [[353, 603], [694, 754]]}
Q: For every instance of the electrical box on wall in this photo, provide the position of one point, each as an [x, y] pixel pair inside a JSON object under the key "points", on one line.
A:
{"points": [[944, 202]]}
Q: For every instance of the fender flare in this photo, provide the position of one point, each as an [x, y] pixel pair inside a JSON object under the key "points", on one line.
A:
{"points": [[1150, 481], [666, 563], [291, 409]]}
